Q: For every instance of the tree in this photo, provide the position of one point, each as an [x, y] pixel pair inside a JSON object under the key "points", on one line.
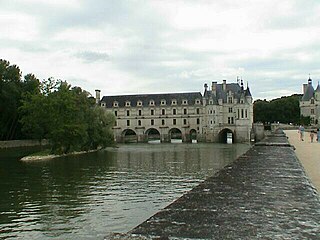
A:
{"points": [[284, 110], [67, 117]]}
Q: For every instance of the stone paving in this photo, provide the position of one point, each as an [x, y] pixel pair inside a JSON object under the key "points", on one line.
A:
{"points": [[265, 194]]}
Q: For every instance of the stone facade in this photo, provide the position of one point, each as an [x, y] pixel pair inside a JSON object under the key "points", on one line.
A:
{"points": [[224, 110], [310, 102]]}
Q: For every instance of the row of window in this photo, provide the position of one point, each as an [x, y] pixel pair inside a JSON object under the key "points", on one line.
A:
{"points": [[152, 112], [163, 122], [152, 103]]}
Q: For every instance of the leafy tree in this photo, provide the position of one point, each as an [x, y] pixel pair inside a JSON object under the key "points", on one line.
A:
{"points": [[67, 117], [284, 110], [12, 90]]}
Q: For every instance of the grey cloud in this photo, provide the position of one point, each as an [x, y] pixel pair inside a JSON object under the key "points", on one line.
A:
{"points": [[91, 57]]}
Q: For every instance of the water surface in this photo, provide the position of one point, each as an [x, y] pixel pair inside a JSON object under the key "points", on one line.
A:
{"points": [[88, 196]]}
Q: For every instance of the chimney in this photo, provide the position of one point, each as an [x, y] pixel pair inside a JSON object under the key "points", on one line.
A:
{"points": [[224, 85], [214, 88], [97, 96]]}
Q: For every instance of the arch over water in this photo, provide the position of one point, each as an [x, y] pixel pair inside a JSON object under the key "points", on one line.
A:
{"points": [[226, 136], [175, 134], [129, 135], [193, 134], [152, 134]]}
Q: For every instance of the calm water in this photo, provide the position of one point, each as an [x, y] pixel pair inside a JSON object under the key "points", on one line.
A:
{"points": [[89, 196]]}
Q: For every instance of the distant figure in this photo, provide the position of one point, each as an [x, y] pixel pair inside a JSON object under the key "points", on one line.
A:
{"points": [[311, 136], [301, 132], [318, 134]]}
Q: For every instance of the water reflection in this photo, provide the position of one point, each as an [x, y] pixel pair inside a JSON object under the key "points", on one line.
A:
{"points": [[87, 196]]}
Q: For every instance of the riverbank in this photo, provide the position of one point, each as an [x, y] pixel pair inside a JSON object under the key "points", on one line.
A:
{"points": [[22, 143], [52, 156], [308, 154]]}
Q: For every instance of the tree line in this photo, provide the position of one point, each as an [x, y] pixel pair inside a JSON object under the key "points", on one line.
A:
{"points": [[283, 110], [50, 109]]}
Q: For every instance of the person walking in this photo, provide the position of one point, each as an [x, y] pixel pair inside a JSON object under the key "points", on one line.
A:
{"points": [[311, 136], [301, 131], [318, 134]]}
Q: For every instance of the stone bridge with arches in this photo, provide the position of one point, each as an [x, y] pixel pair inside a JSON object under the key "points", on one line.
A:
{"points": [[176, 134]]}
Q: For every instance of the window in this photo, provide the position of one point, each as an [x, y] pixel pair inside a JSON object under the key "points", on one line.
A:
{"points": [[139, 103], [139, 122], [230, 109], [197, 101], [103, 104], [163, 102], [128, 103], [198, 121], [140, 112], [116, 113], [128, 122], [312, 111], [174, 111], [230, 120], [162, 122], [174, 102], [229, 99], [246, 113], [242, 113], [211, 102], [238, 113], [184, 111], [128, 112], [185, 121], [174, 121], [115, 104], [115, 123], [198, 110], [211, 112], [312, 101], [241, 101], [184, 102], [152, 122], [163, 111], [152, 111], [151, 103]]}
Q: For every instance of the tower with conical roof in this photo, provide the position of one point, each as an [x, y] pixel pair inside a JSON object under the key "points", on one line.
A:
{"points": [[309, 103]]}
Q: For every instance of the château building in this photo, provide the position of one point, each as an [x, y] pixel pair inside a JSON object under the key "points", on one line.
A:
{"points": [[225, 109], [310, 102]]}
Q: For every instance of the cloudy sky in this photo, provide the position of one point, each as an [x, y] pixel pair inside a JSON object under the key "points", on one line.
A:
{"points": [[140, 46]]}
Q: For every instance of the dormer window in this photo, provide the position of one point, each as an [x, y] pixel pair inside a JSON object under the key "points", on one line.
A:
{"points": [[115, 104], [163, 102], [312, 101], [173, 102], [103, 104], [151, 102], [185, 102], [128, 103], [241, 101], [210, 102], [230, 99], [197, 101], [139, 103]]}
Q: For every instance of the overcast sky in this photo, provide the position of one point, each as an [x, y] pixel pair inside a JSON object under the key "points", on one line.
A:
{"points": [[129, 47]]}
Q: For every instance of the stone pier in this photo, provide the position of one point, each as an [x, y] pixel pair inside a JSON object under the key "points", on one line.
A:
{"points": [[264, 194]]}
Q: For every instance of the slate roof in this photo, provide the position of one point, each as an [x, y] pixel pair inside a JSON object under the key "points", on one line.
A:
{"points": [[191, 97], [308, 94], [318, 88], [233, 87]]}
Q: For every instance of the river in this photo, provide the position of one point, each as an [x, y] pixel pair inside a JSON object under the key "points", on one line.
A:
{"points": [[89, 196]]}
